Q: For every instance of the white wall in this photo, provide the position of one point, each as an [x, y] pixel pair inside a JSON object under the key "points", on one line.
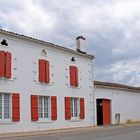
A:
{"points": [[24, 80], [126, 103]]}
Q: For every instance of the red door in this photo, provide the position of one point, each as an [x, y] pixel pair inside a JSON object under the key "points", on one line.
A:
{"points": [[106, 112]]}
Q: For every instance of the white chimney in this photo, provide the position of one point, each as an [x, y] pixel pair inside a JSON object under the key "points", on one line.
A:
{"points": [[80, 41]]}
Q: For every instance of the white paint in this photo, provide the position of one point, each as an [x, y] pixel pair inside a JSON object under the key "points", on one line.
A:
{"points": [[24, 80], [126, 103]]}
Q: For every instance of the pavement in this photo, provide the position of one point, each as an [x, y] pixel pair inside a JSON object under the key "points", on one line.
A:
{"points": [[121, 132]]}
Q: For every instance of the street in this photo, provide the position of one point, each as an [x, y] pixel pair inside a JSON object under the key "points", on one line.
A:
{"points": [[123, 132]]}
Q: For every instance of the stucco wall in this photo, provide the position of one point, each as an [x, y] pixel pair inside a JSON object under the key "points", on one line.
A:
{"points": [[24, 80], [125, 103]]}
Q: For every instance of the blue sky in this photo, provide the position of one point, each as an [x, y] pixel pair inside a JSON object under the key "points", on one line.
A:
{"points": [[111, 29]]}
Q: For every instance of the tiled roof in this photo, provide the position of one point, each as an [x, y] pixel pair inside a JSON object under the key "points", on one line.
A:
{"points": [[27, 38], [116, 86]]}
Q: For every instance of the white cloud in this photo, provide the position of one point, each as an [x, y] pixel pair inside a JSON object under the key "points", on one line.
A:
{"points": [[111, 28]]}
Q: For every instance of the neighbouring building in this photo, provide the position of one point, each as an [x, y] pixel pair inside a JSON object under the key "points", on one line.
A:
{"points": [[43, 86], [116, 103]]}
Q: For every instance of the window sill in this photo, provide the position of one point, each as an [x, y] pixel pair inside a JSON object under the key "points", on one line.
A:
{"points": [[75, 120], [3, 122], [73, 87], [45, 84], [44, 121]]}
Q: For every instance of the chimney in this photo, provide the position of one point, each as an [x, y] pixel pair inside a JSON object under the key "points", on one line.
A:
{"points": [[80, 41]]}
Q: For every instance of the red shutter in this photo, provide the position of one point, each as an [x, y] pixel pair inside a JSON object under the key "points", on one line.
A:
{"points": [[8, 65], [47, 72], [67, 108], [41, 70], [106, 112], [72, 75], [2, 63], [82, 109], [34, 107], [15, 107], [54, 108], [76, 77]]}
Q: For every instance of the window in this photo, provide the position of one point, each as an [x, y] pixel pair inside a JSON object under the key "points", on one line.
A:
{"points": [[5, 64], [44, 107], [73, 71], [44, 71], [74, 107], [5, 106]]}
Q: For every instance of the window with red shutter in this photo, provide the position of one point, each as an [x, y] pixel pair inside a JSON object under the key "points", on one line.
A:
{"points": [[15, 107], [44, 71], [5, 64], [2, 63], [42, 64], [82, 108], [73, 76], [34, 107], [67, 108], [54, 108], [47, 72], [76, 77], [8, 65]]}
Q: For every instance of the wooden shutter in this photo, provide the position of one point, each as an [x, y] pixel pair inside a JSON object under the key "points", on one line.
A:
{"points": [[76, 77], [41, 70], [2, 63], [47, 72], [54, 108], [15, 107], [82, 109], [67, 108], [8, 65], [72, 75], [34, 107], [106, 112]]}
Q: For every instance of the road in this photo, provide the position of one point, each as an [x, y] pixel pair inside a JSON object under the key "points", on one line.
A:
{"points": [[124, 132]]}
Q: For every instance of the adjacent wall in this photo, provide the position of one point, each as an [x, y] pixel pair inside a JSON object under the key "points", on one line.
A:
{"points": [[125, 103]]}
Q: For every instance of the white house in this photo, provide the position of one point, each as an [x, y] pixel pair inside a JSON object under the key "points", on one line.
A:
{"points": [[116, 103], [43, 86]]}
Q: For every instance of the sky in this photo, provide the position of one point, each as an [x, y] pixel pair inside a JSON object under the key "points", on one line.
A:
{"points": [[111, 29]]}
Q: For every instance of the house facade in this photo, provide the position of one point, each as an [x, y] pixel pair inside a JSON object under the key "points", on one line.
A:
{"points": [[116, 103], [43, 86]]}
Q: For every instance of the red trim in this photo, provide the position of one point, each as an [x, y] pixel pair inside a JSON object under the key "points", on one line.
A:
{"points": [[34, 107], [41, 64], [8, 65], [15, 107], [2, 63], [47, 72], [82, 108], [54, 108], [67, 108]]}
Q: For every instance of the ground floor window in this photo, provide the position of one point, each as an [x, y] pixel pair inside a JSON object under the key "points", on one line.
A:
{"points": [[4, 106], [74, 107], [44, 107]]}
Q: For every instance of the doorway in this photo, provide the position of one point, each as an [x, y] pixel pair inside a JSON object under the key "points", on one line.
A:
{"points": [[103, 112]]}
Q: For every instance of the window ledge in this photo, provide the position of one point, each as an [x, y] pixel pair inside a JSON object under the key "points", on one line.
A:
{"points": [[3, 122], [44, 121], [45, 84], [75, 120]]}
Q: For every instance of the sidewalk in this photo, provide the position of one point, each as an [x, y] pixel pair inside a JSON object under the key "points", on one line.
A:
{"points": [[65, 130]]}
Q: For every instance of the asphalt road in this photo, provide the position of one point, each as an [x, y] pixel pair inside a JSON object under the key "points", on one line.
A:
{"points": [[128, 132]]}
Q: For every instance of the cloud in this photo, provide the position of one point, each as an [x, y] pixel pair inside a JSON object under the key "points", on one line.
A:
{"points": [[111, 29]]}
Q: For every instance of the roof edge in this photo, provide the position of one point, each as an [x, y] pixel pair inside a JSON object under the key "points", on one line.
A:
{"points": [[28, 38], [117, 86]]}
